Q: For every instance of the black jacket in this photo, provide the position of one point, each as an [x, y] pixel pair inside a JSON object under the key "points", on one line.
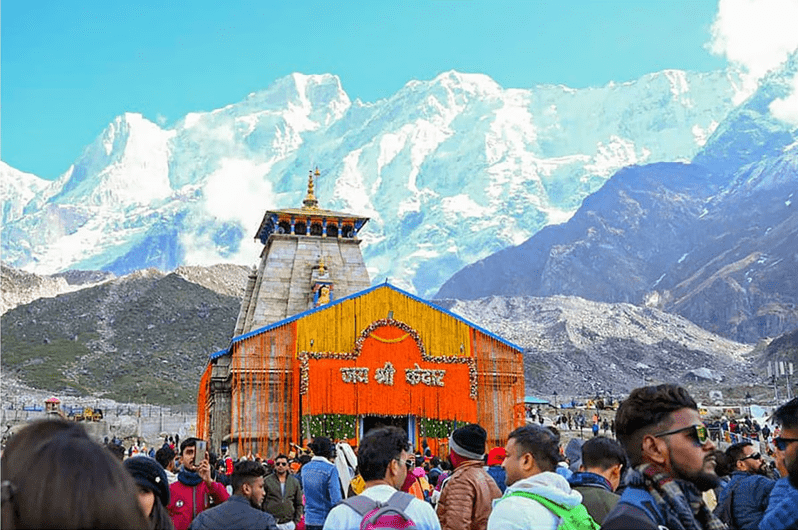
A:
{"points": [[235, 512]]}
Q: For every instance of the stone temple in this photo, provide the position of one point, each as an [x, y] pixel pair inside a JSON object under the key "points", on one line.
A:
{"points": [[317, 350]]}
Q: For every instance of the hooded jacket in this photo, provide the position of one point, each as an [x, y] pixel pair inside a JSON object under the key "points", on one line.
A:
{"points": [[521, 513]]}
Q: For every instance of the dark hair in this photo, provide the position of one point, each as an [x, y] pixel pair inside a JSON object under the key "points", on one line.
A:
{"points": [[188, 442], [377, 449], [93, 488], [540, 442], [164, 455], [602, 453], [281, 455], [245, 472], [787, 414], [117, 450], [321, 446], [160, 518], [435, 461], [735, 452], [722, 464], [646, 409]]}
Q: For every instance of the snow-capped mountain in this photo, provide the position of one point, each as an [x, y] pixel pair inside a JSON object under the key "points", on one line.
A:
{"points": [[449, 171], [713, 240]]}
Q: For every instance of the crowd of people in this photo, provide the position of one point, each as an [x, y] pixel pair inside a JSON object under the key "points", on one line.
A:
{"points": [[663, 470]]}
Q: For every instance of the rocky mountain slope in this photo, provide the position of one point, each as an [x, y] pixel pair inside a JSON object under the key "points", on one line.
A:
{"points": [[144, 337], [578, 347], [449, 170], [713, 240], [147, 336]]}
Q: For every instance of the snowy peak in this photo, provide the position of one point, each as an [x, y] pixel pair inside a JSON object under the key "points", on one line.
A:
{"points": [[126, 165], [18, 189], [449, 170]]}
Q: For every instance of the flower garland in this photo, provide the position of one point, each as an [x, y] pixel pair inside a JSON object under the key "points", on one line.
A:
{"points": [[304, 356], [334, 426]]}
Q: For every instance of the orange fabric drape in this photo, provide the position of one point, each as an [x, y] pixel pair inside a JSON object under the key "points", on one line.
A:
{"points": [[328, 393], [202, 403], [501, 387], [264, 381]]}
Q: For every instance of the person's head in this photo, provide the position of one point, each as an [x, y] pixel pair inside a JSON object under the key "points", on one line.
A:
{"points": [[604, 456], [467, 443], [247, 481], [787, 441], [166, 457], [496, 456], [188, 449], [117, 450], [723, 465], [55, 476], [660, 425], [530, 449], [383, 455], [153, 487], [323, 447], [746, 458], [281, 464], [435, 461]]}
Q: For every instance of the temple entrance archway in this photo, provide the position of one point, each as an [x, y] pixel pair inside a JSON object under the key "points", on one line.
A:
{"points": [[374, 422]]}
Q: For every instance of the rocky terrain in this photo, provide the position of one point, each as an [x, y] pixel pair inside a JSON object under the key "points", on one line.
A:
{"points": [[578, 347], [146, 337]]}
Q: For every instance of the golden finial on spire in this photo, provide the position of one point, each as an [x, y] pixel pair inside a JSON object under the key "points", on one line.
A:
{"points": [[322, 269], [310, 202]]}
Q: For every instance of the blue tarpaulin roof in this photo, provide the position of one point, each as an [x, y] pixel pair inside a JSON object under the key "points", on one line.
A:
{"points": [[532, 400]]}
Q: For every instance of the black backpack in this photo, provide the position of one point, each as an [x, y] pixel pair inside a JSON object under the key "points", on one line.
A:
{"points": [[725, 510]]}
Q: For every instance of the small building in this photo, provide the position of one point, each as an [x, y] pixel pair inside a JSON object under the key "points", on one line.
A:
{"points": [[318, 351]]}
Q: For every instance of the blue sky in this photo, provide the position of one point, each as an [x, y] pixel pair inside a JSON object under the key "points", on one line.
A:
{"points": [[68, 68]]}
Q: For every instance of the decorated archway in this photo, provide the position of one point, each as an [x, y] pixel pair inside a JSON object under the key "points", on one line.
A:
{"points": [[388, 373]]}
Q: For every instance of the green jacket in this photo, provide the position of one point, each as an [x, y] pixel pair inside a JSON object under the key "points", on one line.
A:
{"points": [[286, 507], [598, 501]]}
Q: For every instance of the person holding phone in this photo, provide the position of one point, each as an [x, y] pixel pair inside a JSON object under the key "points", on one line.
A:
{"points": [[195, 488]]}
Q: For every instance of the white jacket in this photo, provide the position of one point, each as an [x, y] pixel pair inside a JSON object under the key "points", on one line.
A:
{"points": [[521, 513]]}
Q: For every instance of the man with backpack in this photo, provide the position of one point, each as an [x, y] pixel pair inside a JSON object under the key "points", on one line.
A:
{"points": [[536, 496], [383, 460], [673, 462]]}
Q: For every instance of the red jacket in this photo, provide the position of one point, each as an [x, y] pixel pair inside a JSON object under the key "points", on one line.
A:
{"points": [[187, 501]]}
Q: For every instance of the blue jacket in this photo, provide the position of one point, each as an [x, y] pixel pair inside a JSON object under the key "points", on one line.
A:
{"points": [[782, 511], [235, 512], [498, 474], [322, 489], [751, 494]]}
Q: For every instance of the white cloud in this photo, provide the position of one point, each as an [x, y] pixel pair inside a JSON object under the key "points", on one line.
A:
{"points": [[755, 35], [786, 109]]}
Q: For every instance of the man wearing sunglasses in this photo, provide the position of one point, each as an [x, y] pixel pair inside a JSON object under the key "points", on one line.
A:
{"points": [[782, 510], [672, 463], [748, 490], [283, 495]]}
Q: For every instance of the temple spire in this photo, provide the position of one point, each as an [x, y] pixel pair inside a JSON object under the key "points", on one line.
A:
{"points": [[310, 202]]}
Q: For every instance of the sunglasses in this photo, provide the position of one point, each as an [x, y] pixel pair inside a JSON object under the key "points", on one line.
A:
{"points": [[698, 433], [782, 443], [281, 463], [754, 456]]}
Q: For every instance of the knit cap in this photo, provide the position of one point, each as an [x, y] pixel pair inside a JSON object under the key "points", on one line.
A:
{"points": [[149, 474], [469, 441]]}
